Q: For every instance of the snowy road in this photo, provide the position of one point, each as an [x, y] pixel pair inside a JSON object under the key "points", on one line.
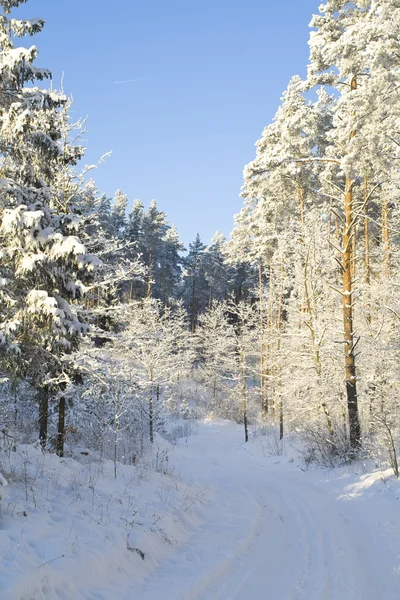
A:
{"points": [[273, 532]]}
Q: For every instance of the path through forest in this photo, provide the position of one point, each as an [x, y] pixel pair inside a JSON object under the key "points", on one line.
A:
{"points": [[273, 531]]}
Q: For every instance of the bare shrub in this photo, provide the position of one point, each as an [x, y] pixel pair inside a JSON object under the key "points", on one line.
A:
{"points": [[324, 449], [268, 438], [182, 428]]}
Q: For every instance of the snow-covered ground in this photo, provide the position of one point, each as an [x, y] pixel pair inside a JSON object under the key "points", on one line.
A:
{"points": [[70, 531], [243, 526]]}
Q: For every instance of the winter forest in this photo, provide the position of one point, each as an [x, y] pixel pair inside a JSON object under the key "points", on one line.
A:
{"points": [[128, 361]]}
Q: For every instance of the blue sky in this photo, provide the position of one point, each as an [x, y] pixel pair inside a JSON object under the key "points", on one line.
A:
{"points": [[214, 73]]}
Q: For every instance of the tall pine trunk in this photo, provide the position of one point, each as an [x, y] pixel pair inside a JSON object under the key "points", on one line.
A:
{"points": [[193, 309], [61, 427], [348, 318], [349, 257], [149, 279], [151, 414], [43, 416], [244, 394]]}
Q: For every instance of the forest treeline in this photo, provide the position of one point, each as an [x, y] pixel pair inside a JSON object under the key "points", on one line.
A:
{"points": [[109, 328]]}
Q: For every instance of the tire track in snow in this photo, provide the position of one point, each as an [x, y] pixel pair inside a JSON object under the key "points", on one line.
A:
{"points": [[327, 569], [226, 533], [351, 566], [293, 542], [282, 523], [197, 563]]}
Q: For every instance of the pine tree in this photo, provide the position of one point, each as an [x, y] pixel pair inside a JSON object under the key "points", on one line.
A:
{"points": [[44, 264], [217, 273], [170, 265], [154, 227], [195, 288], [135, 224], [118, 214]]}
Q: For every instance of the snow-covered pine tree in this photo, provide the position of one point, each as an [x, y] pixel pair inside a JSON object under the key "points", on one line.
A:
{"points": [[135, 225], [43, 264], [118, 214], [154, 227], [195, 287], [170, 265], [217, 272]]}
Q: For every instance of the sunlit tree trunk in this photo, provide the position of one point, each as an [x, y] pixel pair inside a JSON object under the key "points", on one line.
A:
{"points": [[348, 318]]}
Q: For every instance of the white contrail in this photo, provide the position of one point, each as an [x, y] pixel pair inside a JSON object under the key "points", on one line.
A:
{"points": [[131, 80]]}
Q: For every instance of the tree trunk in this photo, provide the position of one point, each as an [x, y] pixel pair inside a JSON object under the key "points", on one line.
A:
{"points": [[193, 312], [244, 395], [43, 416], [15, 387], [61, 427], [349, 339], [354, 252], [149, 280], [151, 415], [116, 439]]}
